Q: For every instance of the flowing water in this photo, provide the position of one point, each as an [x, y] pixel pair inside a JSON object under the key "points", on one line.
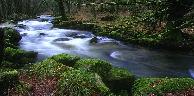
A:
{"points": [[39, 35]]}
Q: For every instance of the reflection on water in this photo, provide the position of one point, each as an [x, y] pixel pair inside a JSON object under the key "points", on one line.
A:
{"points": [[39, 35]]}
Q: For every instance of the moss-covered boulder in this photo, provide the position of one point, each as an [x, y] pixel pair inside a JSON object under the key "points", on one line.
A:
{"points": [[48, 67], [160, 86], [81, 83], [100, 67], [11, 36], [8, 78], [66, 59], [19, 57], [120, 79]]}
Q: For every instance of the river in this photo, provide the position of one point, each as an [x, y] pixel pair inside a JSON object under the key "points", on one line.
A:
{"points": [[39, 35]]}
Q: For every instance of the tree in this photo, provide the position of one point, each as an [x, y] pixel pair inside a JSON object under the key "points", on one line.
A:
{"points": [[176, 10], [61, 8]]}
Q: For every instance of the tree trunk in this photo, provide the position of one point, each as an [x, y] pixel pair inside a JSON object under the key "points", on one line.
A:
{"points": [[68, 4], [177, 10], [79, 2], [61, 9]]}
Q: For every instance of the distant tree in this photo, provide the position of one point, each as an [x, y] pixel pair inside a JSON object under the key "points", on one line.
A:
{"points": [[68, 4], [176, 10], [61, 8]]}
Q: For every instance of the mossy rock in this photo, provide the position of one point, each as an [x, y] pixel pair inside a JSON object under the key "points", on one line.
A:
{"points": [[160, 86], [81, 83], [8, 78], [100, 67], [11, 36], [66, 59], [120, 79], [19, 57], [48, 67]]}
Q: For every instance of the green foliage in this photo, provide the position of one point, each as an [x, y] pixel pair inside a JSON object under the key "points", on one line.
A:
{"points": [[131, 30], [11, 36], [81, 83], [7, 64], [73, 24], [2, 45], [108, 18], [19, 57], [8, 78], [23, 88], [48, 67], [120, 79], [159, 86], [23, 9], [100, 67], [66, 59]]}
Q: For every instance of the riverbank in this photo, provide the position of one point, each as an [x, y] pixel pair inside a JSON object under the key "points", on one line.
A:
{"points": [[131, 31], [63, 74]]}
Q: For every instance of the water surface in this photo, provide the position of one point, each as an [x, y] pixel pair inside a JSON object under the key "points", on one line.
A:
{"points": [[39, 35]]}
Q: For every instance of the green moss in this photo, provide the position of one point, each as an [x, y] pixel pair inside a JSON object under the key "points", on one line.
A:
{"points": [[8, 78], [48, 67], [100, 67], [81, 83], [120, 79], [7, 75], [23, 89], [73, 24], [66, 59], [19, 57], [10, 44], [159, 86], [11, 36]]}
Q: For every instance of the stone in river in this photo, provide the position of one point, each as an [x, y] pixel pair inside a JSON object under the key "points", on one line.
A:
{"points": [[71, 34], [62, 39], [24, 34], [42, 34], [21, 26], [94, 40]]}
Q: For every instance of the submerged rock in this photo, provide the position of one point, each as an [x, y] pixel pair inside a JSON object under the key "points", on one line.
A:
{"points": [[71, 34], [62, 39], [42, 34], [21, 26], [94, 40], [24, 34]]}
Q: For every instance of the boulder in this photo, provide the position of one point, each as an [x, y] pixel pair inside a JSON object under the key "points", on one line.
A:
{"points": [[21, 26], [71, 34], [42, 34], [94, 40], [62, 39], [24, 34]]}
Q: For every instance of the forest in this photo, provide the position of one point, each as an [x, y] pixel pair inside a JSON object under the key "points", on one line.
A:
{"points": [[96, 48]]}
